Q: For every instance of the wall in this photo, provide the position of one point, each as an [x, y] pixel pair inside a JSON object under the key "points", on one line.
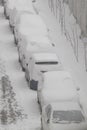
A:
{"points": [[79, 9], [71, 14]]}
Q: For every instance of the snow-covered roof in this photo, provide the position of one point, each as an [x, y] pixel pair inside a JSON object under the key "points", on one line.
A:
{"points": [[58, 75], [32, 24], [61, 80], [58, 94], [38, 48], [65, 105], [11, 4], [38, 39], [25, 5], [45, 57]]}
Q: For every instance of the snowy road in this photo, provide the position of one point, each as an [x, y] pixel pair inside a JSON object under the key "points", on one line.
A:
{"points": [[24, 96]]}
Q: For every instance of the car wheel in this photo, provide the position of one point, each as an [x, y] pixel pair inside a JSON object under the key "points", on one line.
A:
{"points": [[33, 84]]}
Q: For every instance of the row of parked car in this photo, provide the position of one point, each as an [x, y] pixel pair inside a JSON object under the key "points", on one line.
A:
{"points": [[57, 94]]}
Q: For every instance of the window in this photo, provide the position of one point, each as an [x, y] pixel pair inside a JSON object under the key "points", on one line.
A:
{"points": [[64, 117], [47, 62]]}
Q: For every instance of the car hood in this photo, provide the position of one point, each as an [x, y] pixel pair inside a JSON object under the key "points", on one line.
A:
{"points": [[71, 126]]}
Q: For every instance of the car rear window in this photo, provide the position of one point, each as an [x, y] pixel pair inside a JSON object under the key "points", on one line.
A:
{"points": [[64, 117], [47, 62]]}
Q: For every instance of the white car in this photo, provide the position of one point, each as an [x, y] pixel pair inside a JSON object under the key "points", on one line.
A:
{"points": [[30, 25], [25, 6], [31, 45], [41, 62], [63, 116], [8, 7], [54, 86]]}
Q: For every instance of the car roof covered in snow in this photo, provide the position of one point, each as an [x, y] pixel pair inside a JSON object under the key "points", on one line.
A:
{"points": [[61, 80], [58, 94], [32, 24], [38, 48], [57, 75], [32, 45], [65, 105], [38, 39], [11, 3], [45, 57], [24, 5]]}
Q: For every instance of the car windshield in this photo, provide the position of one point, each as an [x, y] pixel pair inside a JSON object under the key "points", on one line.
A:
{"points": [[46, 62], [65, 117]]}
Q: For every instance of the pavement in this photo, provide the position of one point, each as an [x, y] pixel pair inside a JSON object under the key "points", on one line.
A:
{"points": [[19, 99]]}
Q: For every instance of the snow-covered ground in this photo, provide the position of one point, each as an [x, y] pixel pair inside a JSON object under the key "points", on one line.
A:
{"points": [[25, 97]]}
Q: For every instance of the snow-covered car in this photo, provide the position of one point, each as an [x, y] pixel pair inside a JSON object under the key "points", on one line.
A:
{"points": [[63, 116], [29, 25], [27, 46], [8, 7], [54, 86], [41, 62], [24, 6]]}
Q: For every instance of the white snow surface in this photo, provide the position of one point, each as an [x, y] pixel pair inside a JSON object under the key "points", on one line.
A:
{"points": [[19, 9], [69, 106], [26, 97], [31, 24], [60, 84], [45, 57], [64, 49], [61, 95]]}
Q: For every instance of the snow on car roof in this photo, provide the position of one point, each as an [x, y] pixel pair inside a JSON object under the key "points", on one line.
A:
{"points": [[66, 105], [11, 3], [61, 80], [34, 19], [57, 94], [38, 39], [32, 23], [61, 75], [37, 47], [24, 5], [45, 57]]}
